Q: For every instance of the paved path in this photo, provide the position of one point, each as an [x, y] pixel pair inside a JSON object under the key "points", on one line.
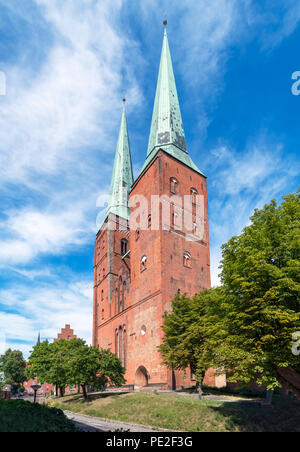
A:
{"points": [[93, 424]]}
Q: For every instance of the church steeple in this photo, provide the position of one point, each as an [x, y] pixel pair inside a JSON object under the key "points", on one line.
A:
{"points": [[167, 131], [122, 177]]}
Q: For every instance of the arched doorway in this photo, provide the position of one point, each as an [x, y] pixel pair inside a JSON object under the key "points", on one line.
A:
{"points": [[141, 377]]}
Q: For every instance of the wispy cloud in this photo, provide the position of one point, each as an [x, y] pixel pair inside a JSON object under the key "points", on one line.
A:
{"points": [[31, 232], [26, 310], [244, 181], [73, 101]]}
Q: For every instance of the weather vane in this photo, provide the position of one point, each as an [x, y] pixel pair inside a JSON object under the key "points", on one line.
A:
{"points": [[165, 20]]}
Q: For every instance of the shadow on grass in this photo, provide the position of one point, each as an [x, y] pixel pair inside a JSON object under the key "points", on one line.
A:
{"points": [[282, 416], [227, 391], [91, 397]]}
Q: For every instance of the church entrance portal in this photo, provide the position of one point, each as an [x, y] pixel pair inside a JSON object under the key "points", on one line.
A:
{"points": [[141, 377]]}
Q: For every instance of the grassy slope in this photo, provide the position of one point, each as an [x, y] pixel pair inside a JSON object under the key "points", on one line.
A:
{"points": [[21, 416], [187, 414]]}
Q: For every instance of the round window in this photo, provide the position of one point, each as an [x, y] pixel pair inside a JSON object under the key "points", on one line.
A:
{"points": [[143, 330]]}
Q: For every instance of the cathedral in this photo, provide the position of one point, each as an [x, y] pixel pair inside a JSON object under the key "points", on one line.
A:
{"points": [[144, 255]]}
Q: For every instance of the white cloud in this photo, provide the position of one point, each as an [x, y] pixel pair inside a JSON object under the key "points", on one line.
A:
{"points": [[35, 232], [242, 182], [46, 309], [73, 101], [32, 274], [61, 116], [283, 24]]}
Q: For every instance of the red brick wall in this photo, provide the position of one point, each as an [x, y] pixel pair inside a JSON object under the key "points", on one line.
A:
{"points": [[66, 333], [150, 291]]}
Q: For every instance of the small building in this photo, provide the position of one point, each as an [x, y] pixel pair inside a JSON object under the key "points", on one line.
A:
{"points": [[7, 392], [66, 333]]}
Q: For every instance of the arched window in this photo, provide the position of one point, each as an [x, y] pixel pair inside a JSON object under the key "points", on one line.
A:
{"points": [[124, 247], [149, 221], [116, 301], [143, 263], [120, 344], [173, 186], [175, 219], [124, 346], [123, 295], [194, 194], [187, 259], [137, 234], [117, 343], [102, 314], [102, 295], [120, 294]]}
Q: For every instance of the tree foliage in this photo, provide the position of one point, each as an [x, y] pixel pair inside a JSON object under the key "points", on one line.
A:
{"points": [[190, 332], [246, 326], [261, 282], [13, 365], [73, 362]]}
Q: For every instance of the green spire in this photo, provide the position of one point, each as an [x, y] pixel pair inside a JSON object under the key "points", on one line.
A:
{"points": [[167, 131], [122, 177]]}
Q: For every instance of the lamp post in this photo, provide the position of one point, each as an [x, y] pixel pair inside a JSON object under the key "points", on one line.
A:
{"points": [[35, 388]]}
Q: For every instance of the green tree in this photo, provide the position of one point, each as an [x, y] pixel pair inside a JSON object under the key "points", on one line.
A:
{"points": [[48, 363], [190, 332], [247, 326], [89, 366], [261, 304], [65, 363], [13, 365]]}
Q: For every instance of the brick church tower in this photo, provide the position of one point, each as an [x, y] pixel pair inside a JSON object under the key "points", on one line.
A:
{"points": [[153, 243]]}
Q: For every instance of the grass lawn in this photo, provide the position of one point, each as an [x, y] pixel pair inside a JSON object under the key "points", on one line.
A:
{"points": [[187, 414], [20, 416]]}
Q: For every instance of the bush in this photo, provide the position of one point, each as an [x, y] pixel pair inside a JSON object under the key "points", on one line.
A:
{"points": [[22, 416]]}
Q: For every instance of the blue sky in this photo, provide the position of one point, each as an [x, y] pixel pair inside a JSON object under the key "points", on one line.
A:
{"points": [[67, 66]]}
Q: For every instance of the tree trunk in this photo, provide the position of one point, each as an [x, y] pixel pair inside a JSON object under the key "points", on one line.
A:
{"points": [[84, 392], [61, 391], [199, 389], [173, 380]]}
